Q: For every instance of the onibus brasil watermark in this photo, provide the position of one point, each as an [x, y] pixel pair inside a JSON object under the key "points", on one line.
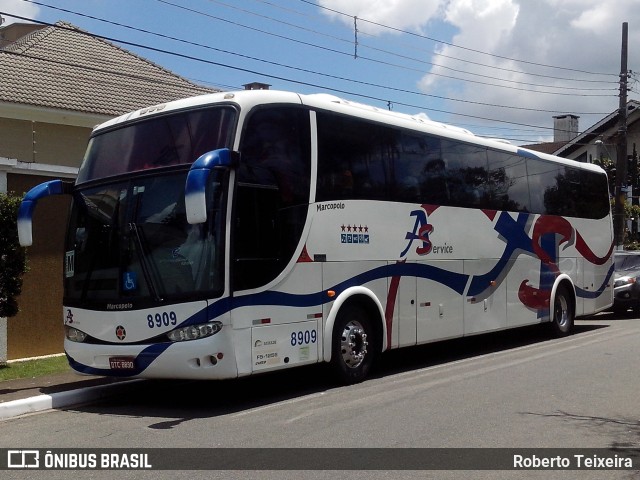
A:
{"points": [[49, 460], [355, 459]]}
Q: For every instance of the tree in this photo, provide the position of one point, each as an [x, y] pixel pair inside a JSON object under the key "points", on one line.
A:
{"points": [[13, 259], [631, 212], [609, 167]]}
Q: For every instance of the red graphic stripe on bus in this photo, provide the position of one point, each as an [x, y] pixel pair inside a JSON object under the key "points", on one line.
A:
{"points": [[429, 208], [588, 254], [533, 297], [304, 256], [491, 214], [391, 304], [545, 225], [559, 225]]}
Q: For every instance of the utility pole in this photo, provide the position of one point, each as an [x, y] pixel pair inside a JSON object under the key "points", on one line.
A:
{"points": [[621, 153], [634, 190]]}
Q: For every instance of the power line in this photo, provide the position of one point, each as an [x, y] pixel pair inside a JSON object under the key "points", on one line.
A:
{"points": [[398, 55], [277, 77], [492, 67], [335, 77], [459, 46], [331, 50], [446, 67]]}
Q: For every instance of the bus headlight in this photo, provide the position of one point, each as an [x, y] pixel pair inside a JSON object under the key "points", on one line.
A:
{"points": [[74, 335], [194, 332]]}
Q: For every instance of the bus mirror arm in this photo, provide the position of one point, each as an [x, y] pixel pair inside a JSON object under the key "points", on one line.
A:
{"points": [[28, 205], [197, 178]]}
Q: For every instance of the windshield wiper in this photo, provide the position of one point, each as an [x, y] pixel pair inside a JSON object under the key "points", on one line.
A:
{"points": [[109, 226], [142, 256]]}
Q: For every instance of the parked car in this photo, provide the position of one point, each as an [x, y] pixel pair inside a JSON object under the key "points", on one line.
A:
{"points": [[626, 286]]}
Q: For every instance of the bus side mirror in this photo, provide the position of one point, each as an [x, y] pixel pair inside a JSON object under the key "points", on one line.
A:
{"points": [[28, 205], [196, 184]]}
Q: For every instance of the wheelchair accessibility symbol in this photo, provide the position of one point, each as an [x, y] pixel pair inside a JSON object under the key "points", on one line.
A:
{"points": [[129, 281]]}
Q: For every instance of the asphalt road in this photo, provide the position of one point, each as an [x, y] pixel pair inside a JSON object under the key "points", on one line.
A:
{"points": [[517, 389]]}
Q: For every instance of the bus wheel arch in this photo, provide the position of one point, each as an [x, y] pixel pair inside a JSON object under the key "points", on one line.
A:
{"points": [[562, 309], [354, 335]]}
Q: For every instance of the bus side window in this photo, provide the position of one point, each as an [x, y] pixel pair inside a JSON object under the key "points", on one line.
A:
{"points": [[467, 175], [274, 152], [255, 239], [507, 188], [353, 159], [435, 187], [272, 194]]}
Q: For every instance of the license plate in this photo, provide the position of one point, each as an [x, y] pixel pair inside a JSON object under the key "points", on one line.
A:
{"points": [[122, 363]]}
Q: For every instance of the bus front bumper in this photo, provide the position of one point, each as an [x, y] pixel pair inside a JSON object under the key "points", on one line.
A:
{"points": [[208, 358]]}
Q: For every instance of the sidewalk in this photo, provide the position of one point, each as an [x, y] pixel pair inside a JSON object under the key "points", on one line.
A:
{"points": [[28, 395]]}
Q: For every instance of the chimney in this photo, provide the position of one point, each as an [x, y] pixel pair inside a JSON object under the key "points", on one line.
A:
{"points": [[565, 127], [256, 86], [14, 31]]}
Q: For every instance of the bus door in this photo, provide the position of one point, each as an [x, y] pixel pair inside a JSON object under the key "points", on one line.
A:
{"points": [[406, 320], [440, 311], [485, 309]]}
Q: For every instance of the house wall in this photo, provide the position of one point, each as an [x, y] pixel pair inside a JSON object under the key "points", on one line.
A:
{"points": [[41, 142], [38, 327], [592, 151], [633, 137]]}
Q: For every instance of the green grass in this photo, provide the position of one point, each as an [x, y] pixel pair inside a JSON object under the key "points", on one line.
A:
{"points": [[34, 368]]}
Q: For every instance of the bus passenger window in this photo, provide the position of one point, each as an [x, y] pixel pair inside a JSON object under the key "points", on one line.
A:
{"points": [[436, 190], [273, 153]]}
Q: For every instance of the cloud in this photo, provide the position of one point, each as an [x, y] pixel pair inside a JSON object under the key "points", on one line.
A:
{"points": [[18, 7], [583, 36], [410, 15], [484, 24]]}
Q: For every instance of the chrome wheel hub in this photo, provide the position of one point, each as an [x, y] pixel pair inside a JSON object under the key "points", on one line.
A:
{"points": [[353, 344], [562, 311]]}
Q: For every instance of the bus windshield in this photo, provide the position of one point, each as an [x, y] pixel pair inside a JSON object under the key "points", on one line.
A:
{"points": [[130, 242]]}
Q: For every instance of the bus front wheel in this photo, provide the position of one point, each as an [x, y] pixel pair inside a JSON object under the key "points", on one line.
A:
{"points": [[563, 312], [352, 345]]}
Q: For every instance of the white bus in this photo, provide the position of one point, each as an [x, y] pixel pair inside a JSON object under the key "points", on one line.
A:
{"points": [[236, 233]]}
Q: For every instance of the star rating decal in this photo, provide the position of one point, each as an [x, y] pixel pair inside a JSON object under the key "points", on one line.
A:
{"points": [[355, 228], [354, 233]]}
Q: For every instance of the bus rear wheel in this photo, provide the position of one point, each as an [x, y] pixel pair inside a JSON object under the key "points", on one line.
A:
{"points": [[352, 345], [563, 312]]}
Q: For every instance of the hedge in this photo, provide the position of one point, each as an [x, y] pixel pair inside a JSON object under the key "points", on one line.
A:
{"points": [[13, 259]]}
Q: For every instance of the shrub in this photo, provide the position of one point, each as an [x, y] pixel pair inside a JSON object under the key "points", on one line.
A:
{"points": [[13, 259]]}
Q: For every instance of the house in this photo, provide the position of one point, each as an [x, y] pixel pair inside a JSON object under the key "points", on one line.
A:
{"points": [[600, 140], [595, 143], [565, 128], [58, 82]]}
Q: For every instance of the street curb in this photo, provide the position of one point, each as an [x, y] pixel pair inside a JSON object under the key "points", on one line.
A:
{"points": [[44, 402]]}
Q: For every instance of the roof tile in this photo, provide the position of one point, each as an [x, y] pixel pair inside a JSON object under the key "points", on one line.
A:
{"points": [[63, 67]]}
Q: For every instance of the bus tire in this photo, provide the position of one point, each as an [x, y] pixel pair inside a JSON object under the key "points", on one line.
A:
{"points": [[563, 312], [352, 346]]}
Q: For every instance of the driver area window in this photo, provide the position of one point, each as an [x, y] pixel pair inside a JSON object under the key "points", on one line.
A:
{"points": [[272, 194]]}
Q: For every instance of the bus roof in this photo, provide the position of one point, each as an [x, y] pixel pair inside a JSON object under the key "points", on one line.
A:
{"points": [[247, 99]]}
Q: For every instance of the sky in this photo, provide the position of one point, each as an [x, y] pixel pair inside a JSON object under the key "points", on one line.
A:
{"points": [[499, 68]]}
